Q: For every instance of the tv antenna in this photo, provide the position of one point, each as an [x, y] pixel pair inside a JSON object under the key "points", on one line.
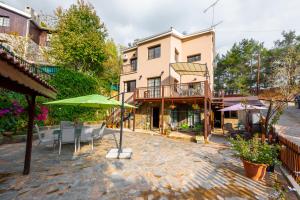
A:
{"points": [[213, 14]]}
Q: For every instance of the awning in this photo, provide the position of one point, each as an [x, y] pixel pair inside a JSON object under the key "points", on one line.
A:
{"points": [[186, 68]]}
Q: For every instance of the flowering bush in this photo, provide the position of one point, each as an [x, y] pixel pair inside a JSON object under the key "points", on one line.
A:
{"points": [[13, 116], [9, 112]]}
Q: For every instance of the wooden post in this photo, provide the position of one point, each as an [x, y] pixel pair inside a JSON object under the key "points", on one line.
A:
{"points": [[205, 111], [222, 113], [210, 117], [162, 109], [31, 108], [133, 123]]}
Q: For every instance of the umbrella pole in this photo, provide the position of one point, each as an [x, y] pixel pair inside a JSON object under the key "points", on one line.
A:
{"points": [[121, 125]]}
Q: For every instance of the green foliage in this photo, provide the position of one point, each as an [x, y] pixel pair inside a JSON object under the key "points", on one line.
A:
{"points": [[255, 151], [236, 69], [70, 84], [79, 38], [184, 126]]}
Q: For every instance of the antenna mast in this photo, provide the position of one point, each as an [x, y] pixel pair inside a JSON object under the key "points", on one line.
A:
{"points": [[213, 13]]}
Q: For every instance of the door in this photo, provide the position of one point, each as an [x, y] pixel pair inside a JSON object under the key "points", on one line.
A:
{"points": [[154, 87], [155, 117]]}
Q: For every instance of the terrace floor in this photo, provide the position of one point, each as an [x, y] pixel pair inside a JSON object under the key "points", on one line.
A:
{"points": [[161, 168]]}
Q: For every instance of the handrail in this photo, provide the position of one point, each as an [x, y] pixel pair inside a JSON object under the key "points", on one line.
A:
{"points": [[128, 69], [32, 68], [171, 90]]}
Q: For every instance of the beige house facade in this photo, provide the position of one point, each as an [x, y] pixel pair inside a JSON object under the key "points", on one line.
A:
{"points": [[169, 76]]}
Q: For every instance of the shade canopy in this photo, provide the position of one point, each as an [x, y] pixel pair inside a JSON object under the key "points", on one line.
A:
{"points": [[241, 106], [92, 101], [186, 68]]}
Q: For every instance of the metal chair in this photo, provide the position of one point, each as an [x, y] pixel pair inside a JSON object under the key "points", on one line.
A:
{"points": [[44, 138]]}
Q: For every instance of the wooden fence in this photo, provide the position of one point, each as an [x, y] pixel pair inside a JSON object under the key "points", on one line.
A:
{"points": [[290, 156]]}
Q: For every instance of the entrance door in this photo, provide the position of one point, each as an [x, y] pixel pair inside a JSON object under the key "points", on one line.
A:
{"points": [[155, 117]]}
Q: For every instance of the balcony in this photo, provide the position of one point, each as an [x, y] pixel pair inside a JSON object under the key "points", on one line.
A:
{"points": [[184, 90], [128, 69]]}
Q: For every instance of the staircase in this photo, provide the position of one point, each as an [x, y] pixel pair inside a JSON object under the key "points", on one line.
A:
{"points": [[114, 119]]}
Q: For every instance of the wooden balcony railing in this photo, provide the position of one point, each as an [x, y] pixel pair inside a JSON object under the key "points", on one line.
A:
{"points": [[195, 89], [126, 69]]}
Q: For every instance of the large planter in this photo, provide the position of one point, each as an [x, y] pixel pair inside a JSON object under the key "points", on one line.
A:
{"points": [[200, 139], [254, 171]]}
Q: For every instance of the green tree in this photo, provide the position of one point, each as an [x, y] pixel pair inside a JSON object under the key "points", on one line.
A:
{"points": [[237, 69], [112, 66], [78, 41]]}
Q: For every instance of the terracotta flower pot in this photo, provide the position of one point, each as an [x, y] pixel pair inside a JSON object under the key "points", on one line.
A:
{"points": [[254, 171]]}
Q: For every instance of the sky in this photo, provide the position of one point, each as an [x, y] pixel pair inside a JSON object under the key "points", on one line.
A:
{"points": [[127, 20]]}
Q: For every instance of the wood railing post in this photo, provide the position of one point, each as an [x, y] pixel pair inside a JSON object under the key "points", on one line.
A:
{"points": [[133, 122], [205, 111], [162, 109]]}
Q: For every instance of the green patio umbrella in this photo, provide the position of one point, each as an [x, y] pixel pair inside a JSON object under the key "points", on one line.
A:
{"points": [[92, 101]]}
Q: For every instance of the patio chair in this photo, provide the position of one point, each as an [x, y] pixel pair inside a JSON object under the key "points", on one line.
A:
{"points": [[67, 135], [98, 133], [44, 138]]}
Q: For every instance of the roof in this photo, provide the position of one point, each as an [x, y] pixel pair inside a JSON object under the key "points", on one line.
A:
{"points": [[251, 100], [171, 31], [27, 70], [17, 11], [186, 68]]}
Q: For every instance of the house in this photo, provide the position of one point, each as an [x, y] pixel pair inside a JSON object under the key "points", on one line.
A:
{"points": [[24, 33], [169, 76]]}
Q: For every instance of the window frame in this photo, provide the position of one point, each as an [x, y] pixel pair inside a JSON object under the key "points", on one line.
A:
{"points": [[133, 68], [156, 53], [4, 21], [126, 86], [193, 58]]}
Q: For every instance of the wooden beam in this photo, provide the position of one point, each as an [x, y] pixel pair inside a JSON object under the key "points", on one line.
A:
{"points": [[162, 110], [134, 109], [205, 111], [31, 108]]}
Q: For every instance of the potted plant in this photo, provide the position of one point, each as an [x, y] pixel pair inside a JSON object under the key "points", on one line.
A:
{"points": [[255, 155]]}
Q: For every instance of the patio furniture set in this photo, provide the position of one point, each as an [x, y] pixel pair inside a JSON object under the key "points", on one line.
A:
{"points": [[70, 133]]}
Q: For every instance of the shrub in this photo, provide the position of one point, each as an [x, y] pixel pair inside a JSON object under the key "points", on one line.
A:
{"points": [[255, 151], [70, 84]]}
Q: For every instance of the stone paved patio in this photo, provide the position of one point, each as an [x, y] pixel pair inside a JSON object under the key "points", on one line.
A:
{"points": [[161, 168]]}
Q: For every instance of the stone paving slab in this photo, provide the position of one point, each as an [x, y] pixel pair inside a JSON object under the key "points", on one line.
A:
{"points": [[160, 168]]}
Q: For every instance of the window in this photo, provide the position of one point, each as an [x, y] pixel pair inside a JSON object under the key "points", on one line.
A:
{"points": [[130, 86], [154, 52], [194, 58], [4, 21], [133, 64], [154, 87]]}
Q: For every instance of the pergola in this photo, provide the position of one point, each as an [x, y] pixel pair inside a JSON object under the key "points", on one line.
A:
{"points": [[196, 69], [186, 68], [19, 76]]}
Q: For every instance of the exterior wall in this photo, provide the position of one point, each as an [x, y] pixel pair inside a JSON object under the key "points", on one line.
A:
{"points": [[159, 67], [205, 47], [148, 68], [18, 23]]}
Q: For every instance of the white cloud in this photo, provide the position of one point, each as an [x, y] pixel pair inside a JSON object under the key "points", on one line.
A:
{"points": [[127, 20]]}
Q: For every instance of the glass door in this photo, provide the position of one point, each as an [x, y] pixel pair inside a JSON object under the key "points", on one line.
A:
{"points": [[154, 87]]}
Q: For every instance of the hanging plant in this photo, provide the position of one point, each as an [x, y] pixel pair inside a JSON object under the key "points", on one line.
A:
{"points": [[195, 106], [172, 106]]}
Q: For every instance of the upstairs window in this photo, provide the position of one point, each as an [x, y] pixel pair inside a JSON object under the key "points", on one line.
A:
{"points": [[133, 64], [130, 86], [154, 52], [4, 21], [194, 58]]}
